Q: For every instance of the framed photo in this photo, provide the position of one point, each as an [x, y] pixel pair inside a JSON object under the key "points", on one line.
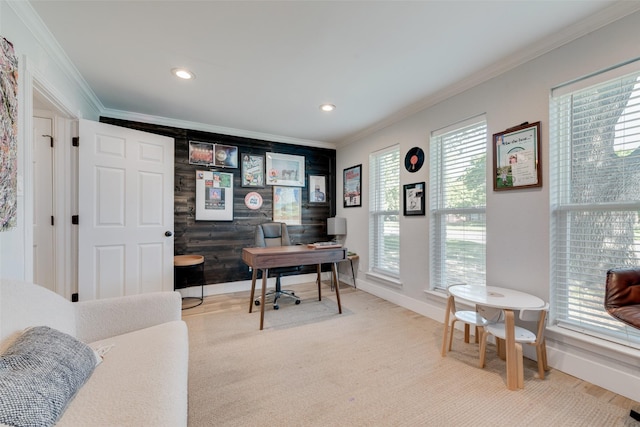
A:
{"points": [[352, 184], [214, 196], [285, 170], [287, 205], [201, 153], [226, 156], [516, 158], [252, 170], [317, 189], [414, 199]]}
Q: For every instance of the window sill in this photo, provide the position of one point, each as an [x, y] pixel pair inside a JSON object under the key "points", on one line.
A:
{"points": [[386, 280]]}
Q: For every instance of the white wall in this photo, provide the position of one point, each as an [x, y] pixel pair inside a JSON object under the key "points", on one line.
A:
{"points": [[44, 65], [517, 221]]}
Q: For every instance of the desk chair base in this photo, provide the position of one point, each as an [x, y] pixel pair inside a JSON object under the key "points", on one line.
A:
{"points": [[277, 293]]}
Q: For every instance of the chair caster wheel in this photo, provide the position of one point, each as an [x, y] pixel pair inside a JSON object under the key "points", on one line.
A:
{"points": [[256, 302], [297, 301], [275, 307]]}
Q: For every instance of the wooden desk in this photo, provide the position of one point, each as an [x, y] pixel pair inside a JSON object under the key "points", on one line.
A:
{"points": [[506, 299], [289, 256]]}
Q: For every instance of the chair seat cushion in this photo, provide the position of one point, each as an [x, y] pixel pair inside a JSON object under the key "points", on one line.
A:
{"points": [[522, 335], [471, 317], [629, 314]]}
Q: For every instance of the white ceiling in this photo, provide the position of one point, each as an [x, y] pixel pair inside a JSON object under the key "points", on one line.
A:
{"points": [[264, 67]]}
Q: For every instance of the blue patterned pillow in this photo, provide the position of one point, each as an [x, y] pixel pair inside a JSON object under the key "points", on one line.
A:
{"points": [[40, 374]]}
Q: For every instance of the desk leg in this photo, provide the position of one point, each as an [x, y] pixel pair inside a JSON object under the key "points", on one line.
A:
{"points": [[353, 273], [319, 281], [265, 274], [334, 269], [445, 334], [253, 288], [510, 344]]}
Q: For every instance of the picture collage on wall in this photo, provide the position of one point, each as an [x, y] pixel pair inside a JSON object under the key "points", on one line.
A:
{"points": [[284, 172]]}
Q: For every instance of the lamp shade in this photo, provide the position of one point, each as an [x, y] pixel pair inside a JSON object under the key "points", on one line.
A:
{"points": [[336, 226]]}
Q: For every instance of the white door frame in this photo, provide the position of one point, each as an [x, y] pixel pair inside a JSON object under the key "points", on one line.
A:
{"points": [[65, 183]]}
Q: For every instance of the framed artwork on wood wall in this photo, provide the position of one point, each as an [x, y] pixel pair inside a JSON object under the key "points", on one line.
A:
{"points": [[214, 196], [252, 170], [317, 189], [285, 170], [287, 205]]}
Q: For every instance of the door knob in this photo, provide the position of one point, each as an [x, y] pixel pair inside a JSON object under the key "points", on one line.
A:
{"points": [[168, 233]]}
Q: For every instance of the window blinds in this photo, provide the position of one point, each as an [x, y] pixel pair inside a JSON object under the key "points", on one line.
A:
{"points": [[384, 211], [595, 198], [458, 204]]}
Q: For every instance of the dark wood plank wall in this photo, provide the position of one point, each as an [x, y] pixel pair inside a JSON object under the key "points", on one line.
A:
{"points": [[221, 242]]}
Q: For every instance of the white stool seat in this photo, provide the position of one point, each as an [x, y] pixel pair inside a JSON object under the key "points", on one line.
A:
{"points": [[522, 335], [471, 317]]}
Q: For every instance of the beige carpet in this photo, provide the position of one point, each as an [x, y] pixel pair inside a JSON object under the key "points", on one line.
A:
{"points": [[376, 364]]}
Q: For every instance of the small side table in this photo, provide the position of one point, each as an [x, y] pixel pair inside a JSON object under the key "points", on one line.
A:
{"points": [[188, 270], [350, 258]]}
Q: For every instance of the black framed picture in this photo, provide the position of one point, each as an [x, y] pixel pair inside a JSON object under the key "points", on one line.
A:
{"points": [[317, 189], [252, 172], [414, 199], [352, 185]]}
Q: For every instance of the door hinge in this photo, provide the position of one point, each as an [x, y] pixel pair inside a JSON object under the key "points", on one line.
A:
{"points": [[75, 141], [50, 139], [52, 220], [75, 219]]}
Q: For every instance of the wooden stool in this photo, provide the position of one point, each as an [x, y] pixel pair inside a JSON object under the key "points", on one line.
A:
{"points": [[188, 270]]}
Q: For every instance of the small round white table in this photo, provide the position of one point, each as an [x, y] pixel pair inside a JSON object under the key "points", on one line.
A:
{"points": [[493, 296]]}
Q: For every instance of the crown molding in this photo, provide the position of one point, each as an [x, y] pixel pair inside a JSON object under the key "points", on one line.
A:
{"points": [[43, 36], [592, 23], [185, 124]]}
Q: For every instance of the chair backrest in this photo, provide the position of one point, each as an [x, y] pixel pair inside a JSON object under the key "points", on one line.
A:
{"points": [[539, 315], [272, 234]]}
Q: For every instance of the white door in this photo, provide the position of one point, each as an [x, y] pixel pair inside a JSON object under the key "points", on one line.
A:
{"points": [[125, 242], [43, 208]]}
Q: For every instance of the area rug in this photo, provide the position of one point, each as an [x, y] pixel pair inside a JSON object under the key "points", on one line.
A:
{"points": [[376, 365]]}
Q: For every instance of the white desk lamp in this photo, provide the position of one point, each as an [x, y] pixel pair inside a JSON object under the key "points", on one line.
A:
{"points": [[337, 227]]}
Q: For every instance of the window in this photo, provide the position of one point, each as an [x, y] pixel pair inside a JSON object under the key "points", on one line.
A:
{"points": [[457, 202], [384, 212], [595, 196]]}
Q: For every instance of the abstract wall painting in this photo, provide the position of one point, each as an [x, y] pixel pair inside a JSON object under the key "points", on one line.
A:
{"points": [[8, 135]]}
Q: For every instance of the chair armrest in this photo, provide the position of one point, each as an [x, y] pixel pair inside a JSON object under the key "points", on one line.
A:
{"points": [[105, 318]]}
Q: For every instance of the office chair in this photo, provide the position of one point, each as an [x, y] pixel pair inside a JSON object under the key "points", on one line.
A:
{"points": [[275, 234]]}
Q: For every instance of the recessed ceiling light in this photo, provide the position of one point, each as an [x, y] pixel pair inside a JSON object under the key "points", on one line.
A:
{"points": [[327, 107], [183, 73]]}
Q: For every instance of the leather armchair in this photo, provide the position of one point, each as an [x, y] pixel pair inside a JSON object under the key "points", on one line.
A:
{"points": [[622, 295]]}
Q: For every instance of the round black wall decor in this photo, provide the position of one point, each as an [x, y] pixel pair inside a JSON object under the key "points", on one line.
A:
{"points": [[414, 159]]}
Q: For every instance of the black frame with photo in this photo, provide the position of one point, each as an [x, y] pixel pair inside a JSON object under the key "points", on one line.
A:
{"points": [[252, 170], [320, 197], [201, 153], [226, 156], [413, 201], [352, 186]]}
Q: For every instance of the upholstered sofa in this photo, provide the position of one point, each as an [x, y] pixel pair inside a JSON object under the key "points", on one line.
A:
{"points": [[139, 345]]}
